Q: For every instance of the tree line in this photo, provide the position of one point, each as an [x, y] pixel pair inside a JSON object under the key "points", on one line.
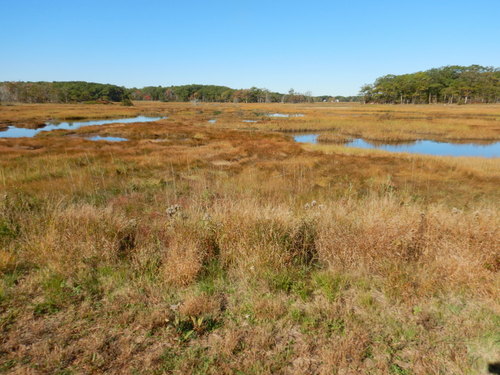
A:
{"points": [[60, 92], [213, 93], [448, 84], [79, 91]]}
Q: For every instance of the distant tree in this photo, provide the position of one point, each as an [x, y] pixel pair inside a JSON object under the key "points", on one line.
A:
{"points": [[367, 93], [451, 84], [127, 102]]}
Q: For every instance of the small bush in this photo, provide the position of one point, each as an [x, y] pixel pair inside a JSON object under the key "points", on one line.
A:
{"points": [[127, 102]]}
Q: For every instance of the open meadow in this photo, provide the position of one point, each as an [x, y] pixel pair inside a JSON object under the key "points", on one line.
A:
{"points": [[210, 242]]}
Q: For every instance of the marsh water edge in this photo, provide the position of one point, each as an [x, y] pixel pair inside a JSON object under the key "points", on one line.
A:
{"points": [[18, 132], [424, 146]]}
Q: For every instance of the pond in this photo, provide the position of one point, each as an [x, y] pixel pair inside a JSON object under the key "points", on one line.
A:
{"points": [[426, 147], [15, 132], [109, 139]]}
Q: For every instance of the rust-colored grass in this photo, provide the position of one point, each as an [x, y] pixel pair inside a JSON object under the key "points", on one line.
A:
{"points": [[375, 122], [226, 248]]}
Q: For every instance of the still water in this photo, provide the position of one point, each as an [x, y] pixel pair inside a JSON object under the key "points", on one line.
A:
{"points": [[426, 147], [15, 132], [109, 139]]}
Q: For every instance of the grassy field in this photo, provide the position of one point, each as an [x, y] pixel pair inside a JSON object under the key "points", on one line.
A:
{"points": [[373, 122], [226, 248]]}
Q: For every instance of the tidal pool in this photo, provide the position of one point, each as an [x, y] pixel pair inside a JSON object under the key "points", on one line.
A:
{"points": [[15, 132], [306, 138], [426, 147], [110, 139]]}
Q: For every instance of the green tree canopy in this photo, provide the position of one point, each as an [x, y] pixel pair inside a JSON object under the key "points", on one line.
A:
{"points": [[449, 84]]}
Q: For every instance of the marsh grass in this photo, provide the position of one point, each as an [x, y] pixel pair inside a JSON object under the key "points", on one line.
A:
{"points": [[225, 251], [333, 138], [384, 123]]}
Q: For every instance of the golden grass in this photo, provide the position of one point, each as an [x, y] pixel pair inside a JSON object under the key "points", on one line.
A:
{"points": [[375, 122], [200, 248], [333, 138], [387, 123]]}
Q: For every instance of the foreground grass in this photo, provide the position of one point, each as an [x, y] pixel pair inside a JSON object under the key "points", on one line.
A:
{"points": [[199, 250]]}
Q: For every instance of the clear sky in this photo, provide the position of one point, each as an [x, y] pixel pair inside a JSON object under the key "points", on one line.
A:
{"points": [[326, 47]]}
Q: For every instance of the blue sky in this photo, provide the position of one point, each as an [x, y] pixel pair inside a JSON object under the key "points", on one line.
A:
{"points": [[326, 47]]}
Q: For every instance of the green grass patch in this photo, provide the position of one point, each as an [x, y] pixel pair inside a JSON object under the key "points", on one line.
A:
{"points": [[330, 284], [291, 281]]}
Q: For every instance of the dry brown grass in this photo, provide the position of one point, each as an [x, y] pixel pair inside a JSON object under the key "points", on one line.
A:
{"points": [[183, 260], [472, 123], [375, 122], [393, 269], [333, 138]]}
